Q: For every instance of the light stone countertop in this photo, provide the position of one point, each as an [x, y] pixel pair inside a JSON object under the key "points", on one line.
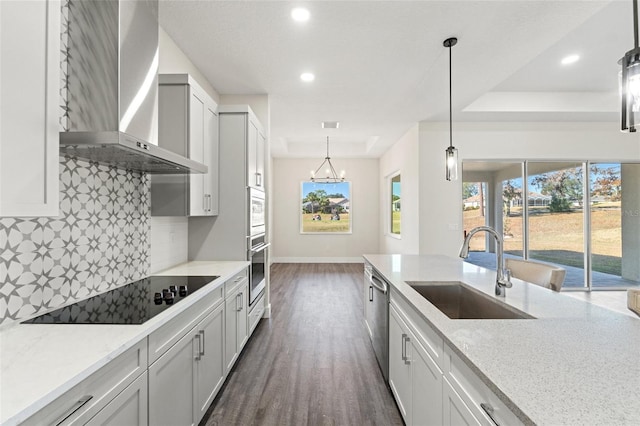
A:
{"points": [[575, 364], [40, 362]]}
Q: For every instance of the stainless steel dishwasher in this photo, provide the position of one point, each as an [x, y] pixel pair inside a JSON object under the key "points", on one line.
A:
{"points": [[377, 315]]}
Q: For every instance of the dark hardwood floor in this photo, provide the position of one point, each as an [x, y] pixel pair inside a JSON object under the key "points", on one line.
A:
{"points": [[311, 362]]}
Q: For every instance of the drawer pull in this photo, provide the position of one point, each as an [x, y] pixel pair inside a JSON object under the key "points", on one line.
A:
{"points": [[201, 332], [489, 410], [407, 361], [198, 350], [404, 348], [75, 407]]}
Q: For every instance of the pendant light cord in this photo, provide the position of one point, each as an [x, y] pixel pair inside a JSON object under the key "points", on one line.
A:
{"points": [[450, 102], [635, 22]]}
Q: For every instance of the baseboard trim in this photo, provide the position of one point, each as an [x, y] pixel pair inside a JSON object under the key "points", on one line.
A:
{"points": [[267, 311], [317, 260]]}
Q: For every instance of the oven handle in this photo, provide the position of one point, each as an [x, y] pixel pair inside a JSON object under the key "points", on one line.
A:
{"points": [[259, 248]]}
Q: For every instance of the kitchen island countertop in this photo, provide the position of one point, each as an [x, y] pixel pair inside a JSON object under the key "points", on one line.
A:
{"points": [[40, 362], [576, 363]]}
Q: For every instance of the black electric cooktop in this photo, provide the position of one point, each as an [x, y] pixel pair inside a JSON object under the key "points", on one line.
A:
{"points": [[133, 303]]}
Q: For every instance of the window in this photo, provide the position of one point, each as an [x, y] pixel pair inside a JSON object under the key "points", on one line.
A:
{"points": [[582, 216], [325, 208], [396, 205]]}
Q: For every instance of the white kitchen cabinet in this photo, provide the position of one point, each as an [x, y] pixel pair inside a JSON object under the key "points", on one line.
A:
{"points": [[186, 378], [256, 312], [454, 411], [102, 390], [236, 330], [188, 121], [29, 107], [481, 402], [255, 155], [129, 408], [172, 384], [399, 371], [210, 367], [414, 378]]}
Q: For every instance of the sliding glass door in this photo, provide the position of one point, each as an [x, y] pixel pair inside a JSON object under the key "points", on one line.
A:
{"points": [[582, 216], [614, 190], [556, 217]]}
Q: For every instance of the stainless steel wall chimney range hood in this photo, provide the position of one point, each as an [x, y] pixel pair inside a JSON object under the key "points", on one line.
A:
{"points": [[111, 79]]}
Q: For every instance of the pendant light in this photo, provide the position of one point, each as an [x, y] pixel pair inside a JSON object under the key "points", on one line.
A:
{"points": [[630, 81], [332, 176], [451, 153]]}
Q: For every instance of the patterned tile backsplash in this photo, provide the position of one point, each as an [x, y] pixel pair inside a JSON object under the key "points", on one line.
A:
{"points": [[99, 241]]}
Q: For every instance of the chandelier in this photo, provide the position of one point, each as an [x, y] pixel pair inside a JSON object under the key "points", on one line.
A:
{"points": [[330, 171]]}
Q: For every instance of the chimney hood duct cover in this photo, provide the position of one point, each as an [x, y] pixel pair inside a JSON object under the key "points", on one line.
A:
{"points": [[111, 80]]}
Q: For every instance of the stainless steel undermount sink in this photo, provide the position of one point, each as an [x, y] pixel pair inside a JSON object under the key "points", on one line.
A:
{"points": [[459, 301]]}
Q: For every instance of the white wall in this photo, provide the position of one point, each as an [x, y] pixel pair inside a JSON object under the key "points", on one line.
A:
{"points": [[440, 201], [258, 103], [288, 245], [401, 157], [174, 61]]}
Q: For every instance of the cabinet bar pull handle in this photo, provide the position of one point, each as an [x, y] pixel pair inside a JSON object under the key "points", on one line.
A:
{"points": [[489, 410], [75, 407], [370, 293], [406, 357], [404, 350], [241, 294], [201, 332], [199, 351]]}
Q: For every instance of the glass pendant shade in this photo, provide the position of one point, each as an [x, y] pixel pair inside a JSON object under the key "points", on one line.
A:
{"points": [[630, 90], [451, 159]]}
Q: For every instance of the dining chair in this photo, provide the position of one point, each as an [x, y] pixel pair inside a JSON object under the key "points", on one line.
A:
{"points": [[542, 274]]}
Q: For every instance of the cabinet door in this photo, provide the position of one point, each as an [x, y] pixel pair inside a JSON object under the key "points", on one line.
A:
{"points": [[172, 385], [231, 330], [260, 159], [210, 367], [399, 370], [252, 155], [426, 387], [454, 411], [243, 331], [29, 105], [197, 199], [129, 408], [211, 155]]}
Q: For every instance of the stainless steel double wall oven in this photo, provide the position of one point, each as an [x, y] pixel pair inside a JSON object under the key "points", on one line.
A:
{"points": [[257, 245]]}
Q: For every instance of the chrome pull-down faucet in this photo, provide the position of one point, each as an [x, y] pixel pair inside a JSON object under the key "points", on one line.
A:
{"points": [[503, 276]]}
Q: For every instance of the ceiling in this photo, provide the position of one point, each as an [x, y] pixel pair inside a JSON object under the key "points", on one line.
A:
{"points": [[380, 66]]}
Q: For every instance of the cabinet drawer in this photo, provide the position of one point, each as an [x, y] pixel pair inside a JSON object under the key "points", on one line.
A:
{"points": [[428, 338], [475, 393], [257, 310], [86, 399], [167, 335], [129, 408], [237, 280]]}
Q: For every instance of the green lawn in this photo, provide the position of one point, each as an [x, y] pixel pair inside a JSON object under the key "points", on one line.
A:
{"points": [[326, 224], [395, 223]]}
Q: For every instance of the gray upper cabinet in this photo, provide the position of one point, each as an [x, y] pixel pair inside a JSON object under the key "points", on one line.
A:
{"points": [[249, 135], [255, 155], [188, 123], [29, 107]]}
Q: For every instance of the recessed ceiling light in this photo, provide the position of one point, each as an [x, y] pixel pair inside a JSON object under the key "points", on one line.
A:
{"points": [[571, 59], [300, 14], [307, 76], [330, 124]]}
